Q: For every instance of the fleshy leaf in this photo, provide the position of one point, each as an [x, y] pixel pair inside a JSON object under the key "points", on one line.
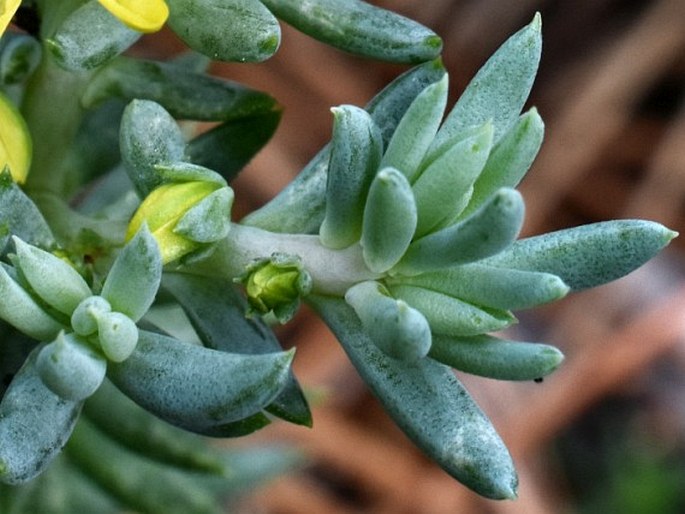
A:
{"points": [[126, 475], [34, 425], [20, 55], [452, 316], [71, 368], [360, 28], [56, 282], [486, 232], [441, 186], [148, 136], [89, 37], [491, 357], [430, 405], [416, 130], [300, 207], [227, 30], [133, 280], [134, 427], [509, 160], [20, 216], [589, 255], [217, 312], [210, 390], [396, 328], [183, 93], [499, 288], [356, 150], [500, 88], [19, 309], [389, 220], [210, 219]]}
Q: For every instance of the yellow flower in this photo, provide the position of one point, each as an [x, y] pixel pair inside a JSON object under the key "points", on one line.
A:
{"points": [[15, 141], [141, 15], [163, 209], [7, 10]]}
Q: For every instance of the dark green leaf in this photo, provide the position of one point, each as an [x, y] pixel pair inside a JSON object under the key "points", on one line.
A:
{"points": [[227, 30], [360, 28], [228, 147], [184, 93]]}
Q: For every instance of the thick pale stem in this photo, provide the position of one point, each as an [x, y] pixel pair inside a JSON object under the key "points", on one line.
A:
{"points": [[332, 271]]}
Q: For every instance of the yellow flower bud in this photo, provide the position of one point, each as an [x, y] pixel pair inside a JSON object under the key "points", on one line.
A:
{"points": [[7, 10], [15, 141], [141, 15], [163, 209]]}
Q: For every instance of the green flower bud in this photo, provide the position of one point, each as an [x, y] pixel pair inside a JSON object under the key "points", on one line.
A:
{"points": [[166, 207], [276, 285], [70, 368]]}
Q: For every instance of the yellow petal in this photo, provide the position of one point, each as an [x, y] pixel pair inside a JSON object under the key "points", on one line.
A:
{"points": [[141, 15], [7, 10], [15, 141]]}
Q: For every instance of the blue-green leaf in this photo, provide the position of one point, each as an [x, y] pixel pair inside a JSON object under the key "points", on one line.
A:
{"points": [[389, 220], [141, 484], [35, 424], [299, 208], [492, 357], [509, 160], [499, 288], [210, 390], [217, 312], [430, 405], [133, 280], [148, 136], [452, 316], [486, 232], [89, 37], [356, 150], [499, 90], [132, 426], [19, 216], [56, 282], [589, 255]]}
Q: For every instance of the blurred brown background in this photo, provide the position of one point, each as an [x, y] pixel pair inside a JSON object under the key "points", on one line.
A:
{"points": [[606, 433]]}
